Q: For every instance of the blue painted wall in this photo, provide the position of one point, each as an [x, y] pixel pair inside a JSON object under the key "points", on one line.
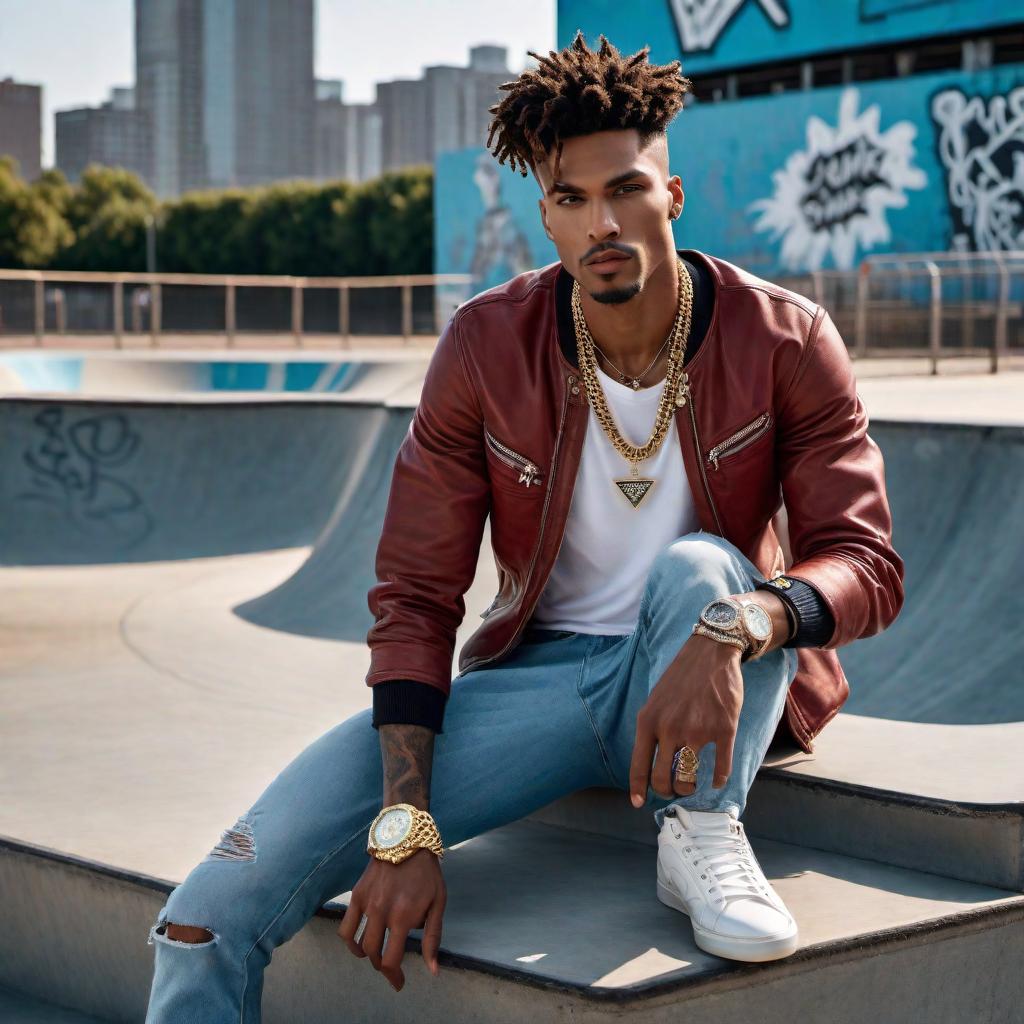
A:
{"points": [[792, 182], [715, 34]]}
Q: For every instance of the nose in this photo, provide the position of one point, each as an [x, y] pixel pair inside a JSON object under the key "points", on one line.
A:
{"points": [[602, 225]]}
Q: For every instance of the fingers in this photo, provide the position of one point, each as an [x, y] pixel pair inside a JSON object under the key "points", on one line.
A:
{"points": [[723, 760], [661, 776], [432, 934], [391, 963], [640, 766], [350, 925], [373, 939]]}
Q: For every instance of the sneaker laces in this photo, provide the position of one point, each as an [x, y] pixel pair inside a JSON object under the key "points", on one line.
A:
{"points": [[730, 861]]}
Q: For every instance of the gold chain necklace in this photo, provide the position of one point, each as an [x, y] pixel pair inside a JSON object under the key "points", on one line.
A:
{"points": [[634, 487], [628, 378]]}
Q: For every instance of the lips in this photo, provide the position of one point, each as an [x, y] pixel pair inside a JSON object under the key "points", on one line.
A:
{"points": [[610, 259]]}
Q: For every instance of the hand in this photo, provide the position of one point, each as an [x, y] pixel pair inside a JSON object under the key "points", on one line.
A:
{"points": [[696, 701], [397, 897]]}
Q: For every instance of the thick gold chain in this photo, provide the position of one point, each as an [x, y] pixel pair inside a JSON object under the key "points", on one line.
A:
{"points": [[676, 357]]}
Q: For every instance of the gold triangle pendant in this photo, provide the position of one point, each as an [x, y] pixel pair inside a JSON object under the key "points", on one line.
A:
{"points": [[635, 488]]}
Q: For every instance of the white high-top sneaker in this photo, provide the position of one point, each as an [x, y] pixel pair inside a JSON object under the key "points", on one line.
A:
{"points": [[707, 870]]}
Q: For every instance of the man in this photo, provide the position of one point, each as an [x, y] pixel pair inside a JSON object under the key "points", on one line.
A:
{"points": [[630, 418]]}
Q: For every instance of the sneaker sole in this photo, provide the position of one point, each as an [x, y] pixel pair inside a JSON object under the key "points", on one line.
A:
{"points": [[750, 950]]}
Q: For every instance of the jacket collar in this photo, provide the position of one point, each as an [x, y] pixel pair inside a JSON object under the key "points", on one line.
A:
{"points": [[706, 297]]}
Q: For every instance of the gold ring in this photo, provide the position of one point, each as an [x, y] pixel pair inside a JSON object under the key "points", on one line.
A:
{"points": [[684, 765]]}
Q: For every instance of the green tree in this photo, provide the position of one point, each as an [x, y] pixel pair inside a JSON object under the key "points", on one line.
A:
{"points": [[32, 224], [206, 232], [107, 212]]}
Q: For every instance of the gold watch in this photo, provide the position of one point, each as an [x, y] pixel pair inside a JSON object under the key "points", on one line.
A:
{"points": [[399, 830]]}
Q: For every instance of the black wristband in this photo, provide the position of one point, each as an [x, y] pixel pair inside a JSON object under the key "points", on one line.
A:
{"points": [[408, 702], [815, 623]]}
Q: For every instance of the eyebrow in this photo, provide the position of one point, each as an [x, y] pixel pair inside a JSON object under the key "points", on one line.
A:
{"points": [[564, 186]]}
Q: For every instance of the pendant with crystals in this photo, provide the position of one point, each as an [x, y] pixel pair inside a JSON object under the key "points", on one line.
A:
{"points": [[634, 487]]}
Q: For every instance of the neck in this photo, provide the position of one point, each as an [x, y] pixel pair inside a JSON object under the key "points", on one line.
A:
{"points": [[630, 333]]}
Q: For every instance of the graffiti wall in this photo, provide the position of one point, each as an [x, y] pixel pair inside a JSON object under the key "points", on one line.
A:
{"points": [[708, 35], [931, 162]]}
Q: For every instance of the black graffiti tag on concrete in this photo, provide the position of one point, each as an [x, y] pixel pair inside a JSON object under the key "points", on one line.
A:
{"points": [[72, 466], [835, 183]]}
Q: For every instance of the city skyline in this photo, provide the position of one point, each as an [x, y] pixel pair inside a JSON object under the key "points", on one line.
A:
{"points": [[33, 51]]}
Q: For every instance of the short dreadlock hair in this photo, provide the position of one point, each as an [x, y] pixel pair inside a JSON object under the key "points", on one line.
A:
{"points": [[580, 91]]}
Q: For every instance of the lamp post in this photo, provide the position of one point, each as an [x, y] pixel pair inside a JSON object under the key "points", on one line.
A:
{"points": [[150, 244]]}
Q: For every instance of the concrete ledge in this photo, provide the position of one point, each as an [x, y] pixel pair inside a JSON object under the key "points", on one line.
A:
{"points": [[547, 923], [807, 800]]}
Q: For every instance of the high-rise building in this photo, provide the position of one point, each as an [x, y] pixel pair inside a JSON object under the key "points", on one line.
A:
{"points": [[405, 128], [21, 125], [227, 88], [114, 134], [258, 92], [446, 109], [169, 91]]}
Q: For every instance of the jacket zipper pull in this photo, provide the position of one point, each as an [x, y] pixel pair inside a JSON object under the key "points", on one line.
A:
{"points": [[527, 475], [714, 461]]}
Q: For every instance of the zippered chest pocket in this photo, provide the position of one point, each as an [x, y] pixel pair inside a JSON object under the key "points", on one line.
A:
{"points": [[511, 469], [740, 439]]}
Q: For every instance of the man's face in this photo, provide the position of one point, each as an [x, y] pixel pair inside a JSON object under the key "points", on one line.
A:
{"points": [[610, 196]]}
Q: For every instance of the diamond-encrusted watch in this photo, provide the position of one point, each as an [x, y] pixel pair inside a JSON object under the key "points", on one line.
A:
{"points": [[743, 620], [399, 830]]}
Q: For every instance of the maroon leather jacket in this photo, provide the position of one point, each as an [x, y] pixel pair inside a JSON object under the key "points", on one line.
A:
{"points": [[773, 413]]}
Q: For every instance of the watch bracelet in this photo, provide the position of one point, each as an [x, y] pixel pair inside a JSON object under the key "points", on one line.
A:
{"points": [[702, 629], [424, 834]]}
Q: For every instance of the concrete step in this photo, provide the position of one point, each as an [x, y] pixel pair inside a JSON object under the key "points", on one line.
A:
{"points": [[18, 1008], [938, 798], [549, 923]]}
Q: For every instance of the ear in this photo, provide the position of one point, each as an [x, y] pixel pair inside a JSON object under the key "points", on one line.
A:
{"points": [[677, 197], [544, 219]]}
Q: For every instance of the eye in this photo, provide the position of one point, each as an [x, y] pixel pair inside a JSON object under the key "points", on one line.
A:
{"points": [[561, 202]]}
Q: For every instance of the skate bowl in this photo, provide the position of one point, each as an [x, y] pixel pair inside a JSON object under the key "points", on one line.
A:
{"points": [[187, 574]]}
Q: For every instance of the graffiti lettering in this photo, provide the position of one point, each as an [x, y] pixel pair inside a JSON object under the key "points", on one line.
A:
{"points": [[70, 468], [700, 23], [833, 196], [981, 149]]}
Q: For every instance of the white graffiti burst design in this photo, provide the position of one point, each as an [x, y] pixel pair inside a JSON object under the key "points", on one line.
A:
{"points": [[833, 195], [981, 146], [700, 22]]}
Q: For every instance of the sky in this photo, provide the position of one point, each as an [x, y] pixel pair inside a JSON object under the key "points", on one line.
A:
{"points": [[78, 49]]}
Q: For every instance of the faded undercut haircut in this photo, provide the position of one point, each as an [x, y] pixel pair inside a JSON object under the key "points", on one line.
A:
{"points": [[579, 91]]}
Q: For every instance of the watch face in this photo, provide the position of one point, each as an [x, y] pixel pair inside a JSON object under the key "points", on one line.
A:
{"points": [[720, 614], [758, 621], [392, 828]]}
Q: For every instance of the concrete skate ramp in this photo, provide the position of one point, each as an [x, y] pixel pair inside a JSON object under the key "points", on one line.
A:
{"points": [[326, 597], [84, 482], [138, 374], [955, 655]]}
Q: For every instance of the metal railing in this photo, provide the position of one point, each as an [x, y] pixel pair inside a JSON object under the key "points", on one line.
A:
{"points": [[935, 304], [47, 307]]}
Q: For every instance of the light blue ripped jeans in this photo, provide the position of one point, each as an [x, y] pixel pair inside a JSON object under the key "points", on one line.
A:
{"points": [[557, 715]]}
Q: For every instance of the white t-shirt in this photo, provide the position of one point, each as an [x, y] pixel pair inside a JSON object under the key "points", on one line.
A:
{"points": [[608, 546]]}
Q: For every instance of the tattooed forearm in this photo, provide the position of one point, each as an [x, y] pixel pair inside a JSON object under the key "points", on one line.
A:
{"points": [[408, 753]]}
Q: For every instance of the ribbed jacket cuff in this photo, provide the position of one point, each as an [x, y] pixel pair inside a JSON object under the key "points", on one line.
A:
{"points": [[815, 624], [408, 702]]}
